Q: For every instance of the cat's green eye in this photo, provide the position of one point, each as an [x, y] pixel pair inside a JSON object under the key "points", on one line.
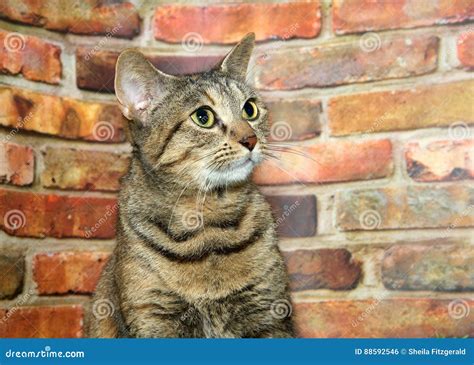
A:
{"points": [[250, 110], [203, 117]]}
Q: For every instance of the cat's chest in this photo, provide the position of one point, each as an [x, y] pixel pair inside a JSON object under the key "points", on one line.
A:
{"points": [[216, 276]]}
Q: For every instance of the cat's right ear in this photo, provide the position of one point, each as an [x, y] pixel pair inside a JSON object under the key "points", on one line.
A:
{"points": [[137, 83]]}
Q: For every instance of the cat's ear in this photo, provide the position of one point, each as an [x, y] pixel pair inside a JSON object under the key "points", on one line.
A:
{"points": [[237, 60], [137, 82]]}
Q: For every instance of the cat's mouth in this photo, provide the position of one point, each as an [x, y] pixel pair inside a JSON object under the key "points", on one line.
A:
{"points": [[246, 161], [234, 172]]}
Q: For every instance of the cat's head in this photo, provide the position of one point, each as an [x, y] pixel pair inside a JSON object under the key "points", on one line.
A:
{"points": [[208, 130]]}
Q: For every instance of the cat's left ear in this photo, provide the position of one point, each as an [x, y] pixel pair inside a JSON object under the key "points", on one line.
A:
{"points": [[237, 60]]}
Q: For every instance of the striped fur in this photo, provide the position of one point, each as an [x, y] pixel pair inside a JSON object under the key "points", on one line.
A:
{"points": [[197, 252]]}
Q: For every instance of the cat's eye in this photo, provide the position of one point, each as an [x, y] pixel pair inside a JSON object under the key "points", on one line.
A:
{"points": [[250, 110], [203, 117]]}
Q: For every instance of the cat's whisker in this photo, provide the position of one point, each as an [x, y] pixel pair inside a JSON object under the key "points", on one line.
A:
{"points": [[292, 151], [268, 154]]}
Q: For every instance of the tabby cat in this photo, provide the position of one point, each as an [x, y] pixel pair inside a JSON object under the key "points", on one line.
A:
{"points": [[196, 252]]}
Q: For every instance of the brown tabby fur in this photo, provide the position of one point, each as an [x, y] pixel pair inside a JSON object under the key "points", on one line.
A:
{"points": [[195, 257]]}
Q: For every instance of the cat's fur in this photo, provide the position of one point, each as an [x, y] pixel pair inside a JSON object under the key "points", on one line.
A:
{"points": [[196, 252]]}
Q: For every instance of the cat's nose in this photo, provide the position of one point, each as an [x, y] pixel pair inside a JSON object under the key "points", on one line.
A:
{"points": [[249, 142]]}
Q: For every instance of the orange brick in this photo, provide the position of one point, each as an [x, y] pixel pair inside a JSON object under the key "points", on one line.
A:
{"points": [[405, 207], [322, 269], [42, 322], [17, 164], [339, 63], [38, 215], [68, 272], [68, 168], [68, 118], [432, 266], [229, 23], [466, 49], [385, 318], [350, 16], [440, 160], [30, 56], [328, 162], [402, 109], [86, 17]]}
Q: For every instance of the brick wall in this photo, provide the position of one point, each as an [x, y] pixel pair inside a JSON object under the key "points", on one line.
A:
{"points": [[375, 213]]}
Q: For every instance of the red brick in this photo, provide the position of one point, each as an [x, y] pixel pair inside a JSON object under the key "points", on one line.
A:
{"points": [[42, 322], [322, 269], [30, 56], [68, 118], [383, 318], [68, 272], [17, 164], [303, 115], [229, 23], [328, 162], [69, 168], [466, 49], [12, 269], [85, 17], [405, 207], [295, 215], [95, 70], [350, 16], [28, 214], [347, 62], [402, 109], [436, 267], [440, 160]]}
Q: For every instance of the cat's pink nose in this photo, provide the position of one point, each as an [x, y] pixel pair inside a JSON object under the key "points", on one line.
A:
{"points": [[249, 142]]}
